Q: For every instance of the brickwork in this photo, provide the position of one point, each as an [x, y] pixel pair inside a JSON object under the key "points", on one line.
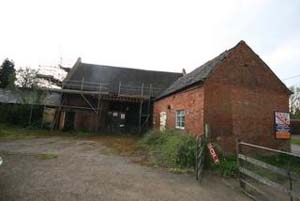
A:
{"points": [[241, 98], [238, 100], [191, 101]]}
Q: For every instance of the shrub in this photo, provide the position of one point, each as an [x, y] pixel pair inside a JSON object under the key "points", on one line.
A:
{"points": [[18, 114], [228, 166], [171, 148]]}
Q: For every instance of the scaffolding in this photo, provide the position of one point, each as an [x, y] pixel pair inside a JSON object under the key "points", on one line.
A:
{"points": [[124, 92]]}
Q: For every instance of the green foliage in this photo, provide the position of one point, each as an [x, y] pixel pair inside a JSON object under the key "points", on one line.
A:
{"points": [[171, 148], [228, 166], [19, 114], [295, 141], [295, 114], [7, 74]]}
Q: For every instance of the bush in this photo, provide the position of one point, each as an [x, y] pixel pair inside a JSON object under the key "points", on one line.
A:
{"points": [[18, 114], [228, 166], [171, 148]]}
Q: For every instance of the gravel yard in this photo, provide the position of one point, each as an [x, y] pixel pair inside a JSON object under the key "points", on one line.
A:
{"points": [[66, 168]]}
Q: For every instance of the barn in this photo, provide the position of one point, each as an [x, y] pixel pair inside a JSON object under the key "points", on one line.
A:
{"points": [[109, 99], [235, 94]]}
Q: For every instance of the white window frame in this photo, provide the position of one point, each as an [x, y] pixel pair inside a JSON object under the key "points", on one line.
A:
{"points": [[180, 119]]}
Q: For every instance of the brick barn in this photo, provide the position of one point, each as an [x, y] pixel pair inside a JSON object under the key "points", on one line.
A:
{"points": [[235, 93]]}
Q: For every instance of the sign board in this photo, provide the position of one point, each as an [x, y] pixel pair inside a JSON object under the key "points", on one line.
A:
{"points": [[282, 125], [213, 153], [162, 121]]}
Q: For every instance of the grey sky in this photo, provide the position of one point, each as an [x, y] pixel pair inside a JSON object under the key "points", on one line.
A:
{"points": [[157, 34]]}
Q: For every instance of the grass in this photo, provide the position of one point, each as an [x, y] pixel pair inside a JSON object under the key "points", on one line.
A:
{"points": [[172, 149], [295, 141], [38, 156], [227, 167], [11, 132]]}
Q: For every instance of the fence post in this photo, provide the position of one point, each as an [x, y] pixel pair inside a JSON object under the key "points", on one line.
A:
{"points": [[291, 185], [196, 167], [238, 150]]}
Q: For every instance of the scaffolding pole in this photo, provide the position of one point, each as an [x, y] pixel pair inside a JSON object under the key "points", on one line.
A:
{"points": [[140, 117]]}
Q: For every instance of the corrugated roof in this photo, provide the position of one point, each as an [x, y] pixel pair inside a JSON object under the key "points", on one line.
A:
{"points": [[27, 96]]}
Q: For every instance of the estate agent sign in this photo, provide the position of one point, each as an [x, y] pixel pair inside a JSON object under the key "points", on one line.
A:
{"points": [[282, 125]]}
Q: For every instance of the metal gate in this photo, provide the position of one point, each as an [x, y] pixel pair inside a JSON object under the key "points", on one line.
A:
{"points": [[200, 156], [268, 174], [200, 152]]}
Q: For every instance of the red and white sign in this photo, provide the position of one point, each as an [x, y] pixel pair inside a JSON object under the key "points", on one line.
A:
{"points": [[282, 125], [213, 153]]}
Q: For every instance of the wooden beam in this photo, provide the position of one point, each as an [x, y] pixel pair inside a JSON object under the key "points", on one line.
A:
{"points": [[264, 165], [269, 149]]}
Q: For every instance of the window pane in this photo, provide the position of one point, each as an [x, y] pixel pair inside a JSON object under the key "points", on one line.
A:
{"points": [[180, 118]]}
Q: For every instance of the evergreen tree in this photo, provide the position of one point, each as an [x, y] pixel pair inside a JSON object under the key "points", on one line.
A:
{"points": [[7, 74]]}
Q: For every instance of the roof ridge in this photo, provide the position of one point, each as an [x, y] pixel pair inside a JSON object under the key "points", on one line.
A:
{"points": [[199, 74], [129, 68]]}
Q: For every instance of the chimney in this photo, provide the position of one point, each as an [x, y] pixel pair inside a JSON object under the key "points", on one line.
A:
{"points": [[183, 72]]}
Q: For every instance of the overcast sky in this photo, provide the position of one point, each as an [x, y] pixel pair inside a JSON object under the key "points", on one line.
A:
{"points": [[163, 35]]}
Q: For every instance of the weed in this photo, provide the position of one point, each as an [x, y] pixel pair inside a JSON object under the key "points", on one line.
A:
{"points": [[171, 148]]}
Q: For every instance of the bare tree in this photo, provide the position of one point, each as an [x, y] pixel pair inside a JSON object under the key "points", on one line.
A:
{"points": [[27, 78]]}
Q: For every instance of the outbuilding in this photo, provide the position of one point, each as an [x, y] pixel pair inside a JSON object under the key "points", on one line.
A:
{"points": [[110, 99], [235, 94]]}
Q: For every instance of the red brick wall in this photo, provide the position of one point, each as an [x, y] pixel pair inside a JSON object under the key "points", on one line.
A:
{"points": [[241, 96], [191, 101], [240, 99]]}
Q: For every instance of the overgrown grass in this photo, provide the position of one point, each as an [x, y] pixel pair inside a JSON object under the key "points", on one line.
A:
{"points": [[172, 149], [227, 167], [295, 141]]}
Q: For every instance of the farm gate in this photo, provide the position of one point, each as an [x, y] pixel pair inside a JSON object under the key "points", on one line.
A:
{"points": [[268, 174]]}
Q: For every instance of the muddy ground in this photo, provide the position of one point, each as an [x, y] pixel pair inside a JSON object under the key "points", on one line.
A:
{"points": [[66, 168]]}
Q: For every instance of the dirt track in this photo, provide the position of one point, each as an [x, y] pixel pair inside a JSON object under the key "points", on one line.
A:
{"points": [[85, 170]]}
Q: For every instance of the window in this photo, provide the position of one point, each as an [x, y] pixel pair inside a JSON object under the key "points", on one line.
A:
{"points": [[180, 117]]}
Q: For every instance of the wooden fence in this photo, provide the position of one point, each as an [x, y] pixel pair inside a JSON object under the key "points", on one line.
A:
{"points": [[257, 176]]}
